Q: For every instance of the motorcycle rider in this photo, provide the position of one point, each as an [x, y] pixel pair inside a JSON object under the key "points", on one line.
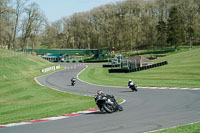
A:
{"points": [[73, 80], [101, 93], [111, 97], [132, 85], [129, 82]]}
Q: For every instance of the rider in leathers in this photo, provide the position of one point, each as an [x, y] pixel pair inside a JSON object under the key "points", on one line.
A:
{"points": [[99, 92], [132, 85], [73, 79]]}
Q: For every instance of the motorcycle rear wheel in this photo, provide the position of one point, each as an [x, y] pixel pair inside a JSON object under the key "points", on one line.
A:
{"points": [[120, 108], [108, 108]]}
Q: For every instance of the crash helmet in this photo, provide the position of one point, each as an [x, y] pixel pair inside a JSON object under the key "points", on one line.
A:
{"points": [[99, 92], [130, 80]]}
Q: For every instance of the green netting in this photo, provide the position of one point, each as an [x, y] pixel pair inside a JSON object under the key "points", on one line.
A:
{"points": [[67, 51]]}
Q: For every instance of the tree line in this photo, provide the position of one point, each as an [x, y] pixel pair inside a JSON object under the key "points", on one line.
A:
{"points": [[21, 24], [127, 25]]}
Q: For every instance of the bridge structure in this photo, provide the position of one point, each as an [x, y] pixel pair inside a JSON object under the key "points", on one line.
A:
{"points": [[67, 51], [55, 55]]}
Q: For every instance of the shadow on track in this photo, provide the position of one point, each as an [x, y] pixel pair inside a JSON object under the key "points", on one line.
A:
{"points": [[94, 113], [126, 91]]}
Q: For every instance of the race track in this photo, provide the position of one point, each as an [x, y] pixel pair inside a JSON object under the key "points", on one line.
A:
{"points": [[144, 111]]}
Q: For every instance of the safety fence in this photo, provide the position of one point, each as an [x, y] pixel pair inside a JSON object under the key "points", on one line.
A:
{"points": [[67, 51], [110, 65], [138, 69], [50, 68]]}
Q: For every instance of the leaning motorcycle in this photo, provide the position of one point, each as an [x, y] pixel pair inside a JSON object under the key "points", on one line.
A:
{"points": [[72, 83], [107, 104], [133, 87]]}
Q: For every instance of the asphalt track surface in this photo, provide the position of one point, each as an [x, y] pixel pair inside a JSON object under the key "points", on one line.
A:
{"points": [[144, 111]]}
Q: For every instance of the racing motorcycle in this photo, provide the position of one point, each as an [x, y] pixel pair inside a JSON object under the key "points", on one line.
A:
{"points": [[107, 104], [73, 83], [132, 86]]}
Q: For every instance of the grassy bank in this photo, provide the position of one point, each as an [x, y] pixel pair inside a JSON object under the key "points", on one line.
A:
{"points": [[183, 70], [191, 128], [160, 52], [21, 98]]}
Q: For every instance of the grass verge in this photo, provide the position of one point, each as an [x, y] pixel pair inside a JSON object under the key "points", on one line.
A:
{"points": [[191, 128], [22, 99], [182, 71], [160, 52]]}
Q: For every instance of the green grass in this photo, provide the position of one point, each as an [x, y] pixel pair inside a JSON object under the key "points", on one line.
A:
{"points": [[3, 51], [160, 52], [21, 98], [191, 128], [183, 70]]}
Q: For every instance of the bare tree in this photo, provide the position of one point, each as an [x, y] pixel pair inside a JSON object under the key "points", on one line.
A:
{"points": [[28, 23], [4, 23], [18, 10]]}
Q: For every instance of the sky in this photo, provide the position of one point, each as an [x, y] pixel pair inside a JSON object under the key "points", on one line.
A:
{"points": [[56, 9]]}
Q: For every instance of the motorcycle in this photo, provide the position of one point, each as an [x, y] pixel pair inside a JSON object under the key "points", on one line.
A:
{"points": [[73, 83], [132, 86], [107, 104]]}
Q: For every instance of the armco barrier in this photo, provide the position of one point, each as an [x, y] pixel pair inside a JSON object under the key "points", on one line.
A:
{"points": [[108, 65], [50, 68], [138, 69], [118, 70], [95, 61]]}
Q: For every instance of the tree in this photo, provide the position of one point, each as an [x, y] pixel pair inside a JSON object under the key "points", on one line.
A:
{"points": [[174, 27], [190, 13], [19, 9], [128, 25], [162, 9], [149, 20], [161, 33], [51, 35], [30, 22], [133, 24], [5, 29], [37, 27]]}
